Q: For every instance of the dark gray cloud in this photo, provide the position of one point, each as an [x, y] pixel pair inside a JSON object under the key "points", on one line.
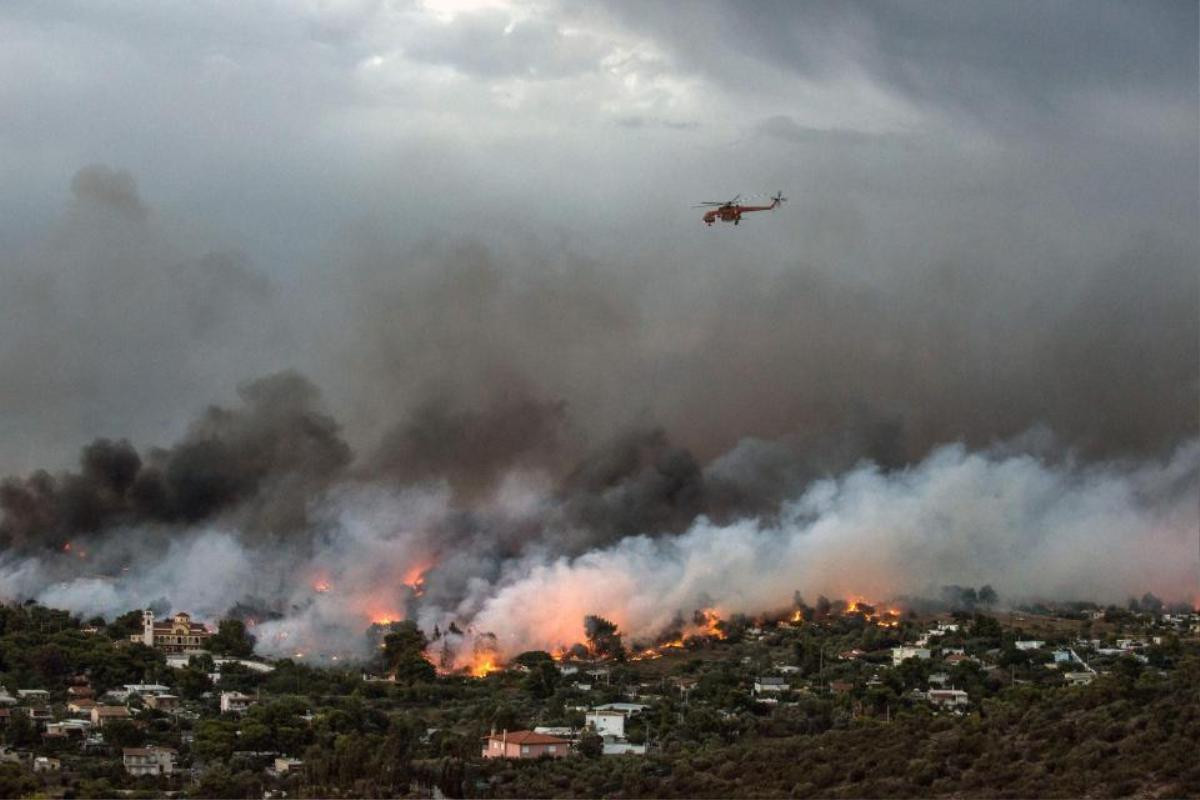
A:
{"points": [[979, 58]]}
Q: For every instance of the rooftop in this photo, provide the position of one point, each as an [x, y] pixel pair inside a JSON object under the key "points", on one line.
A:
{"points": [[527, 737]]}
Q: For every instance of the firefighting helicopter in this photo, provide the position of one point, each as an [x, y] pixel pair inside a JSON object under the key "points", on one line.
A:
{"points": [[731, 210]]}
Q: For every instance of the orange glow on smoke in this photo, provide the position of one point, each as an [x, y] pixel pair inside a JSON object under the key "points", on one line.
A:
{"points": [[321, 587], [67, 548], [414, 578]]}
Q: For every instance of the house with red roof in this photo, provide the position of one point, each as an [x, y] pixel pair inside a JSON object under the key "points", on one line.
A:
{"points": [[524, 744]]}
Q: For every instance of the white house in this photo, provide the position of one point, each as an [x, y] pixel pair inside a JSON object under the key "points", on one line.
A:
{"points": [[904, 652], [770, 684], [1079, 678], [608, 723], [235, 702], [148, 760], [286, 765], [1030, 644]]}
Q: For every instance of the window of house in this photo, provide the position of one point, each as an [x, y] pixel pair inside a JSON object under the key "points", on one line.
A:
{"points": [[551, 749], [524, 749]]}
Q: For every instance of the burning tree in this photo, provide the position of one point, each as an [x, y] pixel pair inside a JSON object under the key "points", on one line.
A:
{"points": [[404, 653], [604, 641]]}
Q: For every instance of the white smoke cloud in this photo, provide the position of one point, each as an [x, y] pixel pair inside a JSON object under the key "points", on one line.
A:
{"points": [[1028, 528]]}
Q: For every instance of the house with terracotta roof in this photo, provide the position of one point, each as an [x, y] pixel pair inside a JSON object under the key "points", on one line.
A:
{"points": [[148, 760], [102, 715], [524, 744], [176, 635], [83, 705]]}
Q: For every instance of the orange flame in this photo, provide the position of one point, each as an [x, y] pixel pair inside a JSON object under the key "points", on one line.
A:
{"points": [[712, 624], [414, 578], [482, 665]]}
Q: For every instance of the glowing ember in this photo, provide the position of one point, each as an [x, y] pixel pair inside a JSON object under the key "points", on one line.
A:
{"points": [[321, 587]]}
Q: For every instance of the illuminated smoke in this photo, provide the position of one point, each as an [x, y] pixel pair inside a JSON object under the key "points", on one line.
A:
{"points": [[1029, 527]]}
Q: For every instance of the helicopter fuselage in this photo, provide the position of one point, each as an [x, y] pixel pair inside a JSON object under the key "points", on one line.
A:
{"points": [[733, 213]]}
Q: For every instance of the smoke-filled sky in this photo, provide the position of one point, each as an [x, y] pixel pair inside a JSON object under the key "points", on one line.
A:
{"points": [[443, 254]]}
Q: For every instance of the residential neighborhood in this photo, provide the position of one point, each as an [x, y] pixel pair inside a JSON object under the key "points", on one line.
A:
{"points": [[119, 714]]}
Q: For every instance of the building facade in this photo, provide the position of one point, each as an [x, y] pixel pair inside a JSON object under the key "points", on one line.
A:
{"points": [[524, 744], [149, 760], [176, 635]]}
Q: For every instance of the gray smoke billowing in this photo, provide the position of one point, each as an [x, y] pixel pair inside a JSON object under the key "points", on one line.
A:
{"points": [[1030, 527], [539, 440], [264, 460]]}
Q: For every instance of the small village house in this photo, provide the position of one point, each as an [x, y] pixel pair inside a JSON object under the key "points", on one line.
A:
{"points": [[162, 702], [235, 702], [948, 698], [770, 684], [904, 652], [285, 765], [606, 722], [524, 744], [82, 707], [102, 715], [148, 760], [69, 727]]}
